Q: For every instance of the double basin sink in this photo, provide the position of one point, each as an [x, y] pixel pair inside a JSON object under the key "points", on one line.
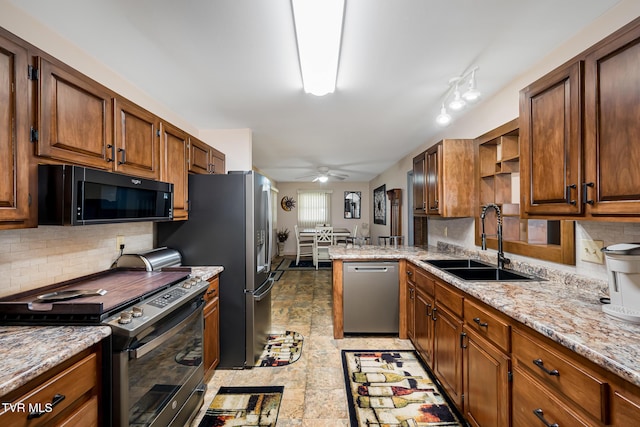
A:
{"points": [[470, 269]]}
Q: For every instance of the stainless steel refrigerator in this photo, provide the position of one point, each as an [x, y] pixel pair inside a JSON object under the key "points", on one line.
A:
{"points": [[230, 225]]}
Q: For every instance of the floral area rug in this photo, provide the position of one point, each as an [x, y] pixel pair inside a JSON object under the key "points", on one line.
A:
{"points": [[282, 349], [244, 406], [394, 388]]}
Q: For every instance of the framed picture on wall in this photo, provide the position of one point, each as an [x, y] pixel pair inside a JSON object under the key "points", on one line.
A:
{"points": [[380, 205]]}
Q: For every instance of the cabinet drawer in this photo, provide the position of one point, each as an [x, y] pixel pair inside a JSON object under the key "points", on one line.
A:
{"points": [[559, 372], [411, 273], [450, 299], [425, 282], [65, 388], [213, 289], [534, 406], [487, 324]]}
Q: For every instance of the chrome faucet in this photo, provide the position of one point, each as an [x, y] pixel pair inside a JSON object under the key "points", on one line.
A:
{"points": [[502, 260]]}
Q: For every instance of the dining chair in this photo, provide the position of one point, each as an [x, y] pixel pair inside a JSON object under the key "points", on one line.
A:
{"points": [[304, 247], [322, 239]]}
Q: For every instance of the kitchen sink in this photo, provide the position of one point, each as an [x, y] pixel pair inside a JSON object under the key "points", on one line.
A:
{"points": [[456, 263], [488, 274], [470, 269]]}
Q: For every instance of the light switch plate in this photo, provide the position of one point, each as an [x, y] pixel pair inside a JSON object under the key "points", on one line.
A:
{"points": [[590, 251]]}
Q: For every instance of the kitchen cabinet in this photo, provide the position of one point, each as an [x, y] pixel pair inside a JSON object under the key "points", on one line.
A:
{"points": [[424, 329], [447, 182], [498, 168], [68, 394], [486, 366], [75, 117], [136, 144], [211, 345], [15, 171], [578, 124], [205, 159], [174, 146], [447, 347]]}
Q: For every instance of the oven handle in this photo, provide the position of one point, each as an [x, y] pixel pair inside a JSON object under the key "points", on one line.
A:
{"points": [[137, 353]]}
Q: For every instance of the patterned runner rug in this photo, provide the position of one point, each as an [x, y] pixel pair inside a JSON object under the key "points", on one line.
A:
{"points": [[282, 349], [394, 388], [244, 406]]}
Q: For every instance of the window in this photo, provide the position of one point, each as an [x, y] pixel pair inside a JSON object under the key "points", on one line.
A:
{"points": [[314, 207]]}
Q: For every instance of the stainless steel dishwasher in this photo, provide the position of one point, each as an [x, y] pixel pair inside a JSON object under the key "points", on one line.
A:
{"points": [[370, 297]]}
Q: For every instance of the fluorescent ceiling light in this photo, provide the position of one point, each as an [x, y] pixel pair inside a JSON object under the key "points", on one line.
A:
{"points": [[318, 25]]}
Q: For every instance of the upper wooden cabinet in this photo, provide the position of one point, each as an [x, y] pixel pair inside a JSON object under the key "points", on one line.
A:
{"points": [[136, 143], [74, 117], [612, 128], [591, 174], [14, 138], [550, 135], [174, 149], [443, 179], [205, 159]]}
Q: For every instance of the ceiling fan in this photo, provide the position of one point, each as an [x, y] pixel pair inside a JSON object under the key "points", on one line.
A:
{"points": [[324, 174]]}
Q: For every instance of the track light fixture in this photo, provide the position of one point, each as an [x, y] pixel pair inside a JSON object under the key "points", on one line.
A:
{"points": [[459, 101]]}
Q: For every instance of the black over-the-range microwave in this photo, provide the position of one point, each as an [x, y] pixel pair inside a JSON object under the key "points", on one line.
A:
{"points": [[75, 195]]}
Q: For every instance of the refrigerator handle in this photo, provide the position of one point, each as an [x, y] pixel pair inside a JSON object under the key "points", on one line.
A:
{"points": [[265, 292], [269, 229]]}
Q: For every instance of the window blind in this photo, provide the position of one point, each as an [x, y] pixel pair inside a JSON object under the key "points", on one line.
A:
{"points": [[314, 207]]}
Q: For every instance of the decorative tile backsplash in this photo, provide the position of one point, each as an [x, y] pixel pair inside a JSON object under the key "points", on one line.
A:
{"points": [[33, 258]]}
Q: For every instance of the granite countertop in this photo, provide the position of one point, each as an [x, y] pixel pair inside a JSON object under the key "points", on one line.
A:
{"points": [[28, 351], [206, 272], [565, 307]]}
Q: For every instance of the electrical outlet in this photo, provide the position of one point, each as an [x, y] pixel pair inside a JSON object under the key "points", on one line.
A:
{"points": [[590, 251], [119, 242]]}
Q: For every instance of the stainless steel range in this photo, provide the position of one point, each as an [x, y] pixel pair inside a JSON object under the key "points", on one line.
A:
{"points": [[155, 314]]}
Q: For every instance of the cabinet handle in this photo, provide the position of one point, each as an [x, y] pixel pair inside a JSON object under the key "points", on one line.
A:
{"points": [[483, 324], [123, 156], [568, 194], [409, 273], [211, 292], [428, 307], [213, 168], [411, 293], [540, 364], [538, 412], [37, 414], [113, 153], [586, 185], [462, 336], [433, 314]]}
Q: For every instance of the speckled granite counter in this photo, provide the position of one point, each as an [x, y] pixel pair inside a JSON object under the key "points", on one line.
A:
{"points": [[206, 273], [564, 307], [28, 351]]}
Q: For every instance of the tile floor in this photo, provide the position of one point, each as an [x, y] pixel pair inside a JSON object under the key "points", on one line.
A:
{"points": [[314, 394]]}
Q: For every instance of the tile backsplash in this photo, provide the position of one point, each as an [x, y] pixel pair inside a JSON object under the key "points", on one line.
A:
{"points": [[32, 258]]}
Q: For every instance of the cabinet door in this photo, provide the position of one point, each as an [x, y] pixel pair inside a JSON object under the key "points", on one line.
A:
{"points": [[448, 353], [136, 142], [211, 346], [419, 185], [550, 143], [625, 407], [175, 147], [74, 117], [612, 129], [199, 157], [423, 331], [411, 310], [219, 162], [14, 140], [432, 160], [486, 382]]}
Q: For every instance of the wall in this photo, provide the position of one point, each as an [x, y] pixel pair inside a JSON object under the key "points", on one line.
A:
{"points": [[499, 109], [37, 257], [290, 219], [236, 144]]}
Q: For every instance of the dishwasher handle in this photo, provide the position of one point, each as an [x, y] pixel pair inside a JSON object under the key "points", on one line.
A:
{"points": [[371, 269]]}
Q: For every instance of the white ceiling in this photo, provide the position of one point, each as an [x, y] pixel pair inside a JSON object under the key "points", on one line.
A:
{"points": [[233, 64]]}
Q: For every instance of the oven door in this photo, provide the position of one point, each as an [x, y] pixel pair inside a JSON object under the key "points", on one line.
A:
{"points": [[157, 379]]}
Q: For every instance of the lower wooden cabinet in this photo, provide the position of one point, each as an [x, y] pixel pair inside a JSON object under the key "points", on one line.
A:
{"points": [[67, 395], [447, 351], [424, 326], [211, 338], [486, 381]]}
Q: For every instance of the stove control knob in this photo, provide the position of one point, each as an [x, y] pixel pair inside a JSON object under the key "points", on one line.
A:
{"points": [[125, 318], [137, 311]]}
